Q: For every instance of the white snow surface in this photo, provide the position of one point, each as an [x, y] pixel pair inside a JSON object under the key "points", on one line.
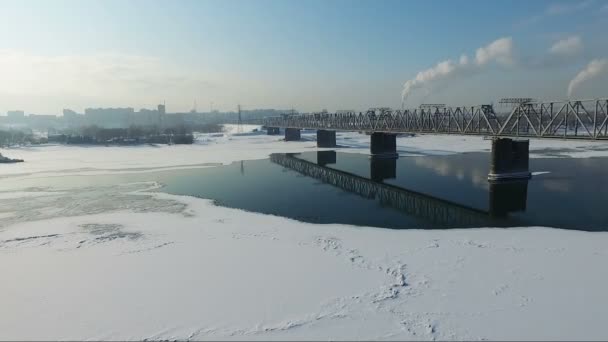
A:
{"points": [[155, 266], [226, 148]]}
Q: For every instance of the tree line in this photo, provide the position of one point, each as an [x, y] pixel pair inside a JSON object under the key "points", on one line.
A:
{"points": [[182, 134]]}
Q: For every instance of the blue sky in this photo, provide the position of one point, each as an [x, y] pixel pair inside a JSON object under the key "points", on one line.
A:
{"points": [[304, 54]]}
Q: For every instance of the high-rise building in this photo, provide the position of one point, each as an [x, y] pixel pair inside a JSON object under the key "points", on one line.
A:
{"points": [[15, 115], [69, 113], [161, 114], [73, 119], [109, 117], [150, 117]]}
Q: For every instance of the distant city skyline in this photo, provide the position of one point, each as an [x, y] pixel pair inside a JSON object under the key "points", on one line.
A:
{"points": [[125, 117], [309, 55]]}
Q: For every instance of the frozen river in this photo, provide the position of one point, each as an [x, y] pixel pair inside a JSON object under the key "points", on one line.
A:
{"points": [[127, 243], [415, 192]]}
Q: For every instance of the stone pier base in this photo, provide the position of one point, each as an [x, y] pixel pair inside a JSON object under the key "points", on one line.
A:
{"points": [[384, 145], [510, 159], [292, 134], [326, 138], [273, 131]]}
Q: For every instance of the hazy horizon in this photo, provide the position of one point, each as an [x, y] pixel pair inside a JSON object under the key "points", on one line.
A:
{"points": [[309, 55]]}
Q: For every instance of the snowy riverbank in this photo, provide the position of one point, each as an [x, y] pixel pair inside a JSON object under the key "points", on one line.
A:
{"points": [[227, 148], [118, 262]]}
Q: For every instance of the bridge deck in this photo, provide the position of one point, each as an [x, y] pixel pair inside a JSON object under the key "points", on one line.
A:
{"points": [[577, 119]]}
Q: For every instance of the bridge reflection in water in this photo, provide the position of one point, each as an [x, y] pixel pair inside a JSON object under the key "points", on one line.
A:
{"points": [[504, 197]]}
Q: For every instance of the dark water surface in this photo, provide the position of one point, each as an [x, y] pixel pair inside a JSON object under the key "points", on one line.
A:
{"points": [[409, 192]]}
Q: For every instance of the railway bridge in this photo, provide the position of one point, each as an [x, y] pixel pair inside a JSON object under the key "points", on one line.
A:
{"points": [[510, 131]]}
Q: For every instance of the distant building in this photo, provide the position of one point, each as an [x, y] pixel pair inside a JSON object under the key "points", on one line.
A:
{"points": [[42, 121], [73, 119], [179, 119], [15, 116], [109, 117], [161, 114], [69, 113], [146, 117], [149, 117], [120, 117]]}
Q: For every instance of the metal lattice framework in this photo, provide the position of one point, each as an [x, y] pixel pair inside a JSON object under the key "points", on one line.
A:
{"points": [[575, 119], [435, 210]]}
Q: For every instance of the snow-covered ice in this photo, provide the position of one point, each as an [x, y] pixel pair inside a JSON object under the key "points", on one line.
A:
{"points": [[225, 148], [120, 262]]}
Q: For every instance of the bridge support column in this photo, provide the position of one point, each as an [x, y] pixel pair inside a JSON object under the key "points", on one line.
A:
{"points": [[272, 131], [509, 159], [384, 145], [292, 134], [326, 138]]}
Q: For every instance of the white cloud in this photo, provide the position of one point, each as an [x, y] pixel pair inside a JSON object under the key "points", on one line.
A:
{"points": [[569, 46], [562, 8], [595, 68], [104, 78], [568, 7], [499, 51], [564, 51]]}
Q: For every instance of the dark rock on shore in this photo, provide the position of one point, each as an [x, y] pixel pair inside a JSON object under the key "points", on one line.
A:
{"points": [[4, 159]]}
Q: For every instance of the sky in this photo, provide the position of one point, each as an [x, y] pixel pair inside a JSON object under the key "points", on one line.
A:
{"points": [[308, 55]]}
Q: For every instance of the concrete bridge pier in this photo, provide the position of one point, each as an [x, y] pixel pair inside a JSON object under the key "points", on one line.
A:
{"points": [[510, 159], [292, 134], [384, 145], [273, 131], [326, 138]]}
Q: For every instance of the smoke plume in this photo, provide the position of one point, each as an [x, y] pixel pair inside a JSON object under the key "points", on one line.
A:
{"points": [[499, 51], [593, 69]]}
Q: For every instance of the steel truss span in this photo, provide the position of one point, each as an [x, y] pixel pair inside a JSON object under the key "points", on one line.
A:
{"points": [[573, 119], [435, 210]]}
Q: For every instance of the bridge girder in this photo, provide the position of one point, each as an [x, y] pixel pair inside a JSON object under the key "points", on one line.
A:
{"points": [[574, 119]]}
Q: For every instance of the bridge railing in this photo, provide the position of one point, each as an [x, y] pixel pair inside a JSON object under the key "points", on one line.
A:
{"points": [[573, 119]]}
